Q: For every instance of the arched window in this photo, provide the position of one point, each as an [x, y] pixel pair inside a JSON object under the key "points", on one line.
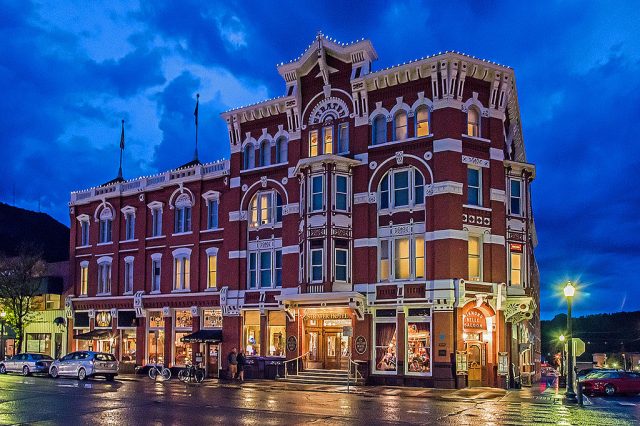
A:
{"points": [[281, 150], [265, 208], [265, 153], [402, 187], [183, 214], [249, 157], [473, 122], [422, 121], [379, 129], [400, 126], [106, 218]]}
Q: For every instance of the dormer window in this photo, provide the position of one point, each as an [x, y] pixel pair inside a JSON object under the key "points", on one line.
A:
{"points": [[265, 209], [422, 121], [379, 129]]}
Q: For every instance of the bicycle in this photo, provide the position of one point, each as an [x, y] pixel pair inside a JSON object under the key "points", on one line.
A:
{"points": [[191, 373], [163, 372]]}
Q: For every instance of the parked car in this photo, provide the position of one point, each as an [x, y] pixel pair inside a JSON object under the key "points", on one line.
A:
{"points": [[611, 382], [26, 363], [84, 364], [589, 372]]}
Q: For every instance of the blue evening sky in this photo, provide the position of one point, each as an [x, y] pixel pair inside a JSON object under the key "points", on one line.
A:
{"points": [[71, 70]]}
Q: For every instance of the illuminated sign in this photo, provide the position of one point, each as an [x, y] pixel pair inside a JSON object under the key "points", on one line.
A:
{"points": [[103, 319], [515, 247], [474, 320]]}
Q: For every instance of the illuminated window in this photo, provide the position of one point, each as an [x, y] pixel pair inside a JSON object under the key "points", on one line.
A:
{"points": [[385, 341], [516, 268], [84, 277], [251, 333], [384, 260], [313, 143], [327, 135], [379, 129], [422, 121], [473, 122], [277, 333], [341, 192], [475, 258], [402, 259], [265, 208], [212, 318], [474, 186], [515, 195], [181, 270], [400, 126], [343, 138], [419, 257], [418, 347], [212, 270]]}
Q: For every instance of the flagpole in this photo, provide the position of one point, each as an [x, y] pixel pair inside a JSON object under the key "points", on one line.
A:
{"points": [[121, 149], [195, 154]]}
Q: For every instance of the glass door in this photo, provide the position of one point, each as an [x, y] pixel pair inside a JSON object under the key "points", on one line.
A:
{"points": [[332, 351]]}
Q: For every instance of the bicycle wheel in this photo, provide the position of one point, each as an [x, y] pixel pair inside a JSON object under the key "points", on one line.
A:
{"points": [[153, 373], [166, 373], [182, 376], [199, 376]]}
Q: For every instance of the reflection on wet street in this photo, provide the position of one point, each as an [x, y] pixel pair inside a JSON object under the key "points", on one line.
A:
{"points": [[64, 401]]}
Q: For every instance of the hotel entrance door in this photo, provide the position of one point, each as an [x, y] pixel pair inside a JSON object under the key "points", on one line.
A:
{"points": [[328, 348]]}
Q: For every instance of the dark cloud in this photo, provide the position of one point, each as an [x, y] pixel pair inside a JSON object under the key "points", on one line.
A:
{"points": [[576, 69]]}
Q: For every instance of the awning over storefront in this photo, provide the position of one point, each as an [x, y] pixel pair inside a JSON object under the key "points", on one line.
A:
{"points": [[93, 335], [203, 336]]}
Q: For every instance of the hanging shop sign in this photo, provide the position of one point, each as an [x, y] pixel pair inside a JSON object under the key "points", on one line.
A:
{"points": [[462, 365], [474, 320], [292, 343], [503, 364], [347, 331], [361, 345], [103, 319], [515, 247]]}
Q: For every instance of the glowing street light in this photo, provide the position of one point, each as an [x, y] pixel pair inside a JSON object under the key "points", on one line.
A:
{"points": [[569, 292]]}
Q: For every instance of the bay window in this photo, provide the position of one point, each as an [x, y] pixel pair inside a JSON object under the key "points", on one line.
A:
{"points": [[316, 255], [341, 192], [475, 258], [515, 197], [317, 193], [342, 260], [401, 258], [401, 188]]}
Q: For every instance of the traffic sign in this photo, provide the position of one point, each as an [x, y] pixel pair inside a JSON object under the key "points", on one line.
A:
{"points": [[578, 346]]}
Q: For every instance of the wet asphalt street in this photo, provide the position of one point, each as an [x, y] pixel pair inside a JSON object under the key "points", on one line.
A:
{"points": [[41, 400]]}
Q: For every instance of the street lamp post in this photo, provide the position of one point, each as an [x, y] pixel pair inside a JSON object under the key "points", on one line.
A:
{"points": [[3, 314], [562, 380], [569, 292]]}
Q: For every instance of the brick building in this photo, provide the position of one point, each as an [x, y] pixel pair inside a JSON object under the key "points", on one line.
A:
{"points": [[378, 216]]}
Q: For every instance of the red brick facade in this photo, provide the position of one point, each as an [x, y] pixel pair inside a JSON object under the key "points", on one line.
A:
{"points": [[394, 202]]}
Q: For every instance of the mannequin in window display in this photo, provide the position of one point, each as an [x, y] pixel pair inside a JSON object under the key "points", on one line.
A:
{"points": [[388, 362], [251, 346]]}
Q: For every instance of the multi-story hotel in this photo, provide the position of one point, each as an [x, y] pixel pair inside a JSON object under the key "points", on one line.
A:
{"points": [[373, 218]]}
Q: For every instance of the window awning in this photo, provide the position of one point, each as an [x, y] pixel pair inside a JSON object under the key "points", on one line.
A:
{"points": [[203, 336], [93, 335]]}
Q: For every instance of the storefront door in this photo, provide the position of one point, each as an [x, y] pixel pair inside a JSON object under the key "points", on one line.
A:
{"points": [[213, 359], [336, 352], [475, 364]]}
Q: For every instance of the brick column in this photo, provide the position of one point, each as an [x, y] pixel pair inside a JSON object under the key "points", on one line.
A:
{"points": [[168, 341], [141, 340], [264, 333]]}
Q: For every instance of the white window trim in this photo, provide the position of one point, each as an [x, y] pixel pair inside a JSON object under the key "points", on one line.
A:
{"points": [[318, 143], [323, 193], [335, 193], [335, 265], [480, 200], [521, 214], [522, 268], [481, 260], [182, 254], [105, 260], [84, 265], [338, 140], [272, 212], [391, 240], [258, 268], [212, 251], [156, 257], [310, 257], [412, 189]]}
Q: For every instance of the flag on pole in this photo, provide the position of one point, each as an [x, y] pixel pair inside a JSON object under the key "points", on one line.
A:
{"points": [[195, 113], [122, 136]]}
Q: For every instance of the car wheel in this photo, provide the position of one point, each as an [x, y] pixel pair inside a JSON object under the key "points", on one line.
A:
{"points": [[25, 370], [609, 390], [3, 369], [82, 374], [54, 372]]}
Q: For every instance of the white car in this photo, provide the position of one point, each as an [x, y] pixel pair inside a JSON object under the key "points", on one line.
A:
{"points": [[26, 363], [84, 364]]}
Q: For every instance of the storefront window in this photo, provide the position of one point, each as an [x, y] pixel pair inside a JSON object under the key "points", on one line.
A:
{"points": [[83, 345], [251, 333], [386, 359], [212, 318], [183, 327], [128, 346], [277, 333], [39, 343], [418, 347], [155, 338]]}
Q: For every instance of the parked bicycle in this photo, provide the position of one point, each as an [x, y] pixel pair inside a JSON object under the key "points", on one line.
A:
{"points": [[161, 371], [191, 373]]}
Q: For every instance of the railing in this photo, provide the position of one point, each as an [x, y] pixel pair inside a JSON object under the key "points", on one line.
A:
{"points": [[353, 365], [314, 288], [297, 359]]}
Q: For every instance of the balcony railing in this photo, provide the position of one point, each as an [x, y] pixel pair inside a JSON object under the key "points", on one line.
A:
{"points": [[313, 288]]}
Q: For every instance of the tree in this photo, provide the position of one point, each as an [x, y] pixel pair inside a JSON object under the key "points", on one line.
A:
{"points": [[19, 284]]}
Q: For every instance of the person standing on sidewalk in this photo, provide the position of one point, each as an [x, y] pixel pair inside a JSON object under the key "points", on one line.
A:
{"points": [[232, 358], [242, 361]]}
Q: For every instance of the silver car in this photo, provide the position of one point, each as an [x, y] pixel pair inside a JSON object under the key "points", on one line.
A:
{"points": [[26, 363], [83, 364]]}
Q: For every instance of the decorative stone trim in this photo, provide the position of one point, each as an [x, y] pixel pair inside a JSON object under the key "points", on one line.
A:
{"points": [[448, 144]]}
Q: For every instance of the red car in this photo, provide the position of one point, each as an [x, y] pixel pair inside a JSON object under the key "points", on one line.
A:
{"points": [[611, 382]]}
